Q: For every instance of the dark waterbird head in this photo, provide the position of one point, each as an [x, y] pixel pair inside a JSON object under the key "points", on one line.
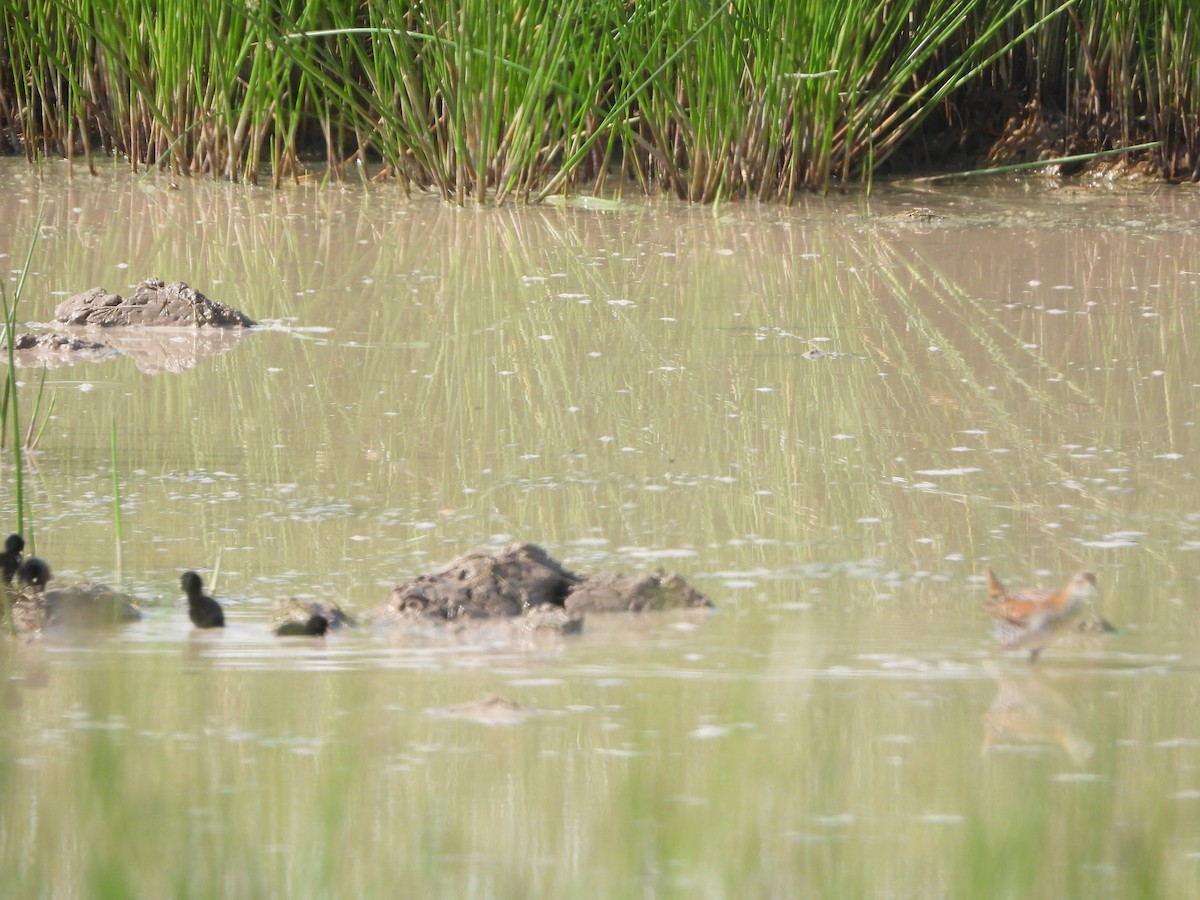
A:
{"points": [[34, 572], [192, 585], [10, 559]]}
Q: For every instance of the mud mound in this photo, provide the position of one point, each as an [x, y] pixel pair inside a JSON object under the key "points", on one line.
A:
{"points": [[153, 304], [522, 580], [634, 593], [75, 606], [480, 585]]}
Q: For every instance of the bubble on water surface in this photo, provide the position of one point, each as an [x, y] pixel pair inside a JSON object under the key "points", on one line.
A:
{"points": [[664, 553], [836, 820], [709, 732]]}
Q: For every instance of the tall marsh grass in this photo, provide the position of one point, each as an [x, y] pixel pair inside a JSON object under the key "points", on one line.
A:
{"points": [[705, 100]]}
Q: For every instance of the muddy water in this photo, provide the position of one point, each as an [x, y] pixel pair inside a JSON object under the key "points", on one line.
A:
{"points": [[829, 417]]}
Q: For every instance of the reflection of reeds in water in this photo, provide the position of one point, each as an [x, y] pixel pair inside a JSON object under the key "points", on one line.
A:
{"points": [[1028, 711], [1053, 386]]}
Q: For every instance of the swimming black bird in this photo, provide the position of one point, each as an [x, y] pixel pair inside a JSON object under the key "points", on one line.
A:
{"points": [[10, 559], [316, 626], [203, 610], [34, 572]]}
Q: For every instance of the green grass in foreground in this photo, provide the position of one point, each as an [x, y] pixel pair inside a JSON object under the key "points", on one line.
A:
{"points": [[704, 99]]}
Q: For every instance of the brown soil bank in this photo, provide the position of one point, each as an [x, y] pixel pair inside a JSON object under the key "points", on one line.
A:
{"points": [[523, 580]]}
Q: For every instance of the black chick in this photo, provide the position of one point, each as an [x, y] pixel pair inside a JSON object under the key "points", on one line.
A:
{"points": [[203, 610], [316, 626], [10, 559], [34, 572]]}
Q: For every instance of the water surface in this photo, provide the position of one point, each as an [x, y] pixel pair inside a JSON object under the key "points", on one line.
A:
{"points": [[1003, 378]]}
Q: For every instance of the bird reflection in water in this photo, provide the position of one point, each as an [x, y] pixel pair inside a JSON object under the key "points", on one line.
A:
{"points": [[1028, 711]]}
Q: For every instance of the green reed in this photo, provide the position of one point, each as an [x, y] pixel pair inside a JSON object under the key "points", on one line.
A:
{"points": [[703, 100], [11, 411], [34, 431], [116, 502]]}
